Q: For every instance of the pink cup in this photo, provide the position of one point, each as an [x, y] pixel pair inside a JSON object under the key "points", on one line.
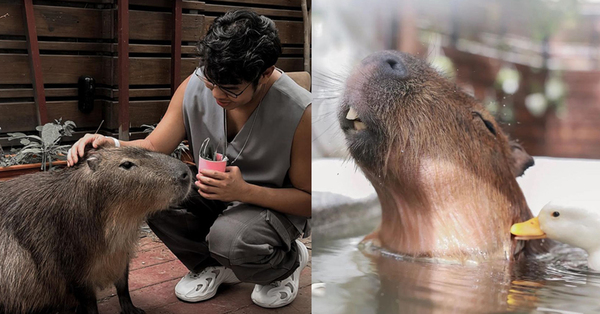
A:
{"points": [[218, 165]]}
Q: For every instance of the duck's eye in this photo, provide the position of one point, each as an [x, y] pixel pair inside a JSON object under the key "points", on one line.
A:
{"points": [[127, 165], [555, 214]]}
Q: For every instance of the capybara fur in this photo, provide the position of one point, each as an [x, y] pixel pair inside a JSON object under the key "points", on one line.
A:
{"points": [[444, 171], [65, 233]]}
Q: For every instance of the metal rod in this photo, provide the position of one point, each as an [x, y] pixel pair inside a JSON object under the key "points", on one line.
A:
{"points": [[176, 46], [123, 68], [307, 27], [35, 63]]}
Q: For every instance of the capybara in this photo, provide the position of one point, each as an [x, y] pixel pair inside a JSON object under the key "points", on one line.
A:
{"points": [[65, 233], [442, 167]]}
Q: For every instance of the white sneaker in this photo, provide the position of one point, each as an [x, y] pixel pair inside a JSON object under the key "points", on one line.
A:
{"points": [[281, 293], [196, 287]]}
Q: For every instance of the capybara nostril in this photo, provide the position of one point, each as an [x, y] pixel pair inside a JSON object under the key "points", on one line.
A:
{"points": [[394, 65], [388, 64], [184, 176]]}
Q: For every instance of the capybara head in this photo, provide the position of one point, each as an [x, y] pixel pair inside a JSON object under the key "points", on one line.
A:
{"points": [[442, 167], [136, 178]]}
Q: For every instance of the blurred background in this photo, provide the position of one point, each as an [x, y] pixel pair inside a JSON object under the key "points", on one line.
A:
{"points": [[535, 64]]}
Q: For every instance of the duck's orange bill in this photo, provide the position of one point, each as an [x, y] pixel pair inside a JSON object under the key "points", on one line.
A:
{"points": [[528, 230]]}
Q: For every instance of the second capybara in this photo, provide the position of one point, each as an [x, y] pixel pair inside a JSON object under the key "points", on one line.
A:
{"points": [[65, 233], [442, 167]]}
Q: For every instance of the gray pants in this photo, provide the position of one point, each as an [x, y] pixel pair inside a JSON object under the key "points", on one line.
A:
{"points": [[256, 243]]}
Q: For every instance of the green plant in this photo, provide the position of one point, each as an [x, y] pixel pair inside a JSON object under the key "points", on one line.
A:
{"points": [[46, 146], [178, 152], [207, 151], [5, 160]]}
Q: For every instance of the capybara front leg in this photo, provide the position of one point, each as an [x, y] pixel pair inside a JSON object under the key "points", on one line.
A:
{"points": [[86, 296], [122, 286]]}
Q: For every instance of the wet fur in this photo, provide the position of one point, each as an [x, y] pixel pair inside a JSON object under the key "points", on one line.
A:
{"points": [[65, 233], [442, 167]]}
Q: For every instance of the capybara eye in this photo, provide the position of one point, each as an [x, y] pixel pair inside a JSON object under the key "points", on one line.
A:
{"points": [[127, 165], [487, 123], [555, 214]]}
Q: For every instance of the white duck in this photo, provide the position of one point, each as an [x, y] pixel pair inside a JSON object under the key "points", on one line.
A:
{"points": [[574, 222]]}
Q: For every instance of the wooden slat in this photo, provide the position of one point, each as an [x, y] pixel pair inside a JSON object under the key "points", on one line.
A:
{"points": [[155, 71], [292, 51], [220, 8], [108, 47], [95, 47], [123, 68], [91, 1], [283, 3], [192, 5], [144, 92], [28, 92], [20, 116], [57, 69], [35, 63], [54, 21], [290, 32], [142, 112], [145, 25], [176, 46], [290, 64], [67, 69], [60, 69]]}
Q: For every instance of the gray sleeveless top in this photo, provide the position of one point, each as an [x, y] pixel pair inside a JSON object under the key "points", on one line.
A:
{"points": [[268, 133]]}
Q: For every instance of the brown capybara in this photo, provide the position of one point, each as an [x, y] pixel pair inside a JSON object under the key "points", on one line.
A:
{"points": [[442, 167], [65, 233]]}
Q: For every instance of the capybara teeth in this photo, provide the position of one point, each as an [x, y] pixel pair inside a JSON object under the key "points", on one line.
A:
{"points": [[358, 125], [352, 114]]}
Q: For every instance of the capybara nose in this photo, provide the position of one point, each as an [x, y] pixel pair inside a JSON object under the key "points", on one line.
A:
{"points": [[185, 175], [388, 64], [393, 64]]}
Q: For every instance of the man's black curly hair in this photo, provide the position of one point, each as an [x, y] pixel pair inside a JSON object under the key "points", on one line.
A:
{"points": [[239, 46]]}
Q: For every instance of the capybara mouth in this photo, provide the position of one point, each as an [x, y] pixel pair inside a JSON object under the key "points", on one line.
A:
{"points": [[442, 168], [352, 122]]}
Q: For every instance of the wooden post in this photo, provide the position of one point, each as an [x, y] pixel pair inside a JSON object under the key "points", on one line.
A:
{"points": [[123, 68], [307, 27], [35, 63], [176, 46]]}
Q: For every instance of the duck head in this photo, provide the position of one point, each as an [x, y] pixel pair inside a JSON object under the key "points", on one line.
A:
{"points": [[574, 222]]}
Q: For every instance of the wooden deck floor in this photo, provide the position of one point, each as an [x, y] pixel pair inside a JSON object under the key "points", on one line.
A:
{"points": [[155, 271]]}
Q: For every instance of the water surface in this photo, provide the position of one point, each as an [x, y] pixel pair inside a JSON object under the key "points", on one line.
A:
{"points": [[558, 282]]}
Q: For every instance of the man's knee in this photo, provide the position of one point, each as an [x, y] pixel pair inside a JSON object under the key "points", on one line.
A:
{"points": [[235, 245]]}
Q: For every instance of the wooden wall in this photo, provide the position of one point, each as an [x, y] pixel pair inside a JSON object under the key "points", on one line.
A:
{"points": [[79, 37], [573, 134]]}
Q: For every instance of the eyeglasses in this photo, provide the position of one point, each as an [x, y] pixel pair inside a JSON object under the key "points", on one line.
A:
{"points": [[210, 85]]}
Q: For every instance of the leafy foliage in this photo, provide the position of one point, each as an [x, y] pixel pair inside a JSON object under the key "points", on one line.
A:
{"points": [[178, 152], [46, 147], [207, 151], [4, 160]]}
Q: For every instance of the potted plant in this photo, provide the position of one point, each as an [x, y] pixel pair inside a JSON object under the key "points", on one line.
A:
{"points": [[210, 159], [38, 152], [181, 152]]}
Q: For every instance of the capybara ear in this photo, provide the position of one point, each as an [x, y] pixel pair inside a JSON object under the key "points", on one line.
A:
{"points": [[93, 160], [520, 159]]}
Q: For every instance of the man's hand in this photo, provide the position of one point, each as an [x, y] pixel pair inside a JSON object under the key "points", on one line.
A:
{"points": [[77, 150], [225, 186]]}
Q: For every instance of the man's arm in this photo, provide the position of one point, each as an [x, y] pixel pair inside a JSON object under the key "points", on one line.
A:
{"points": [[164, 139]]}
